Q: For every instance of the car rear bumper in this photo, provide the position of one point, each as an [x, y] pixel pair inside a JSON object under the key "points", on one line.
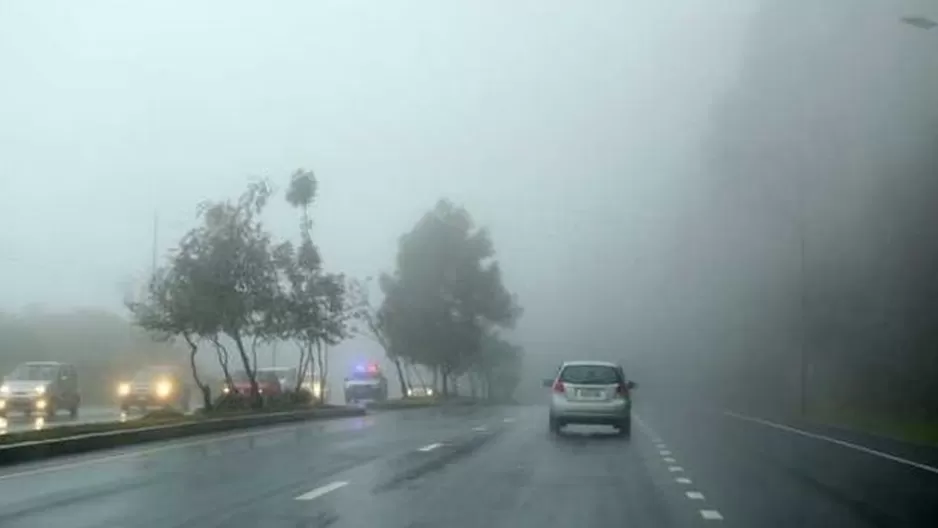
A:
{"points": [[588, 412]]}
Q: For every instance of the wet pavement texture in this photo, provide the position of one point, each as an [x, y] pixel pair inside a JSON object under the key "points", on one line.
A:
{"points": [[17, 422], [473, 466]]}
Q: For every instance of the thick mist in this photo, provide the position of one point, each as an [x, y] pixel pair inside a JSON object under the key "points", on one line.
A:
{"points": [[649, 171]]}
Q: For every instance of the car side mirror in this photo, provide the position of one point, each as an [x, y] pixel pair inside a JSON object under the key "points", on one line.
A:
{"points": [[548, 383], [631, 384]]}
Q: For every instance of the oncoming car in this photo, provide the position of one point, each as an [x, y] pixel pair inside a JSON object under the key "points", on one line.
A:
{"points": [[268, 383], [366, 383], [288, 381], [155, 386], [419, 391], [591, 392], [41, 387]]}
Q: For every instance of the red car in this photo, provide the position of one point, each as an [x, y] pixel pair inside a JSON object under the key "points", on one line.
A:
{"points": [[267, 383]]}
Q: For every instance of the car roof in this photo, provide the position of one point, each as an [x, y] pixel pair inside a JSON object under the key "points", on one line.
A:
{"points": [[589, 363], [44, 363]]}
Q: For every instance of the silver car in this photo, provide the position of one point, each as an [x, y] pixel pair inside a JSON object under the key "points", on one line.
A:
{"points": [[591, 392]]}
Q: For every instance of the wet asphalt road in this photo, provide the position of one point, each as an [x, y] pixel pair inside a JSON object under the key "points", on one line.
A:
{"points": [[18, 422], [493, 467]]}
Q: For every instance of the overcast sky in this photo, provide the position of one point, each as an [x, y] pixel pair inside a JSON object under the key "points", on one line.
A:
{"points": [[561, 125]]}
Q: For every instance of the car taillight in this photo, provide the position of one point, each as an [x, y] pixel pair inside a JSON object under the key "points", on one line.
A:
{"points": [[558, 386]]}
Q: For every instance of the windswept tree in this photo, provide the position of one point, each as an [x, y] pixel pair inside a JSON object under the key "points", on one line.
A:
{"points": [[313, 310], [172, 309], [371, 322], [446, 292], [222, 280]]}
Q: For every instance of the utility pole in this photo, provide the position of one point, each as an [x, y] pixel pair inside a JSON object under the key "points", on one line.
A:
{"points": [[156, 225]]}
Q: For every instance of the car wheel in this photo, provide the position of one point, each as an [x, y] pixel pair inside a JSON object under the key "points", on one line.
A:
{"points": [[554, 425], [625, 427]]}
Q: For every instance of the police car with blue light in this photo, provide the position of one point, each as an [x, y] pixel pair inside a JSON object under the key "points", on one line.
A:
{"points": [[366, 384]]}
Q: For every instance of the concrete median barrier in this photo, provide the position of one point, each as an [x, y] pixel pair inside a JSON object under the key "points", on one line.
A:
{"points": [[16, 452]]}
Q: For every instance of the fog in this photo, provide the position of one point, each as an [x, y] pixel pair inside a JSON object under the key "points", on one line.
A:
{"points": [[641, 165]]}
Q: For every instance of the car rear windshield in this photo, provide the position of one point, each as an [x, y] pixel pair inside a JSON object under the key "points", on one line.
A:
{"points": [[590, 375]]}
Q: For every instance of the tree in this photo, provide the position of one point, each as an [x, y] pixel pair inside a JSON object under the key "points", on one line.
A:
{"points": [[227, 268], [372, 323], [176, 307], [446, 292], [313, 309], [499, 367]]}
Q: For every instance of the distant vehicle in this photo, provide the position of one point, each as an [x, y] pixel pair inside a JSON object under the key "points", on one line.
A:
{"points": [[288, 375], [155, 386], [41, 387], [591, 392], [419, 391], [366, 383], [268, 383]]}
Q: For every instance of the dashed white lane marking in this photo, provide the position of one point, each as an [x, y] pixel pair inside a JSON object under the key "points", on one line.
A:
{"points": [[665, 453], [682, 480], [480, 428], [669, 460], [675, 469], [711, 515], [887, 456], [430, 447], [322, 490], [509, 420], [694, 495]]}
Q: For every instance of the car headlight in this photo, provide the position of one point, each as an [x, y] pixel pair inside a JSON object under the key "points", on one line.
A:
{"points": [[4, 389], [163, 389], [40, 389], [410, 392], [226, 389], [429, 392], [123, 389]]}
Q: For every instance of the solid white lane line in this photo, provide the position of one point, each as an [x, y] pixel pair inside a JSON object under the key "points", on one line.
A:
{"points": [[480, 428], [669, 460], [711, 515], [694, 495], [429, 447], [675, 469], [322, 490], [682, 480], [887, 456], [665, 453]]}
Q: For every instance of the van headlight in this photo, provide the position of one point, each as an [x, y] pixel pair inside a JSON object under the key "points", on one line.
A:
{"points": [[123, 389], [163, 389], [40, 389], [4, 389]]}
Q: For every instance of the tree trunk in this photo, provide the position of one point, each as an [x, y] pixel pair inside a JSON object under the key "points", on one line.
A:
{"points": [[255, 394], [301, 368], [203, 388], [223, 358], [400, 375], [322, 366]]}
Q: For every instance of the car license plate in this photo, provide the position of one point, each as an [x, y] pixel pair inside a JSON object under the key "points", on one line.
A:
{"points": [[586, 393]]}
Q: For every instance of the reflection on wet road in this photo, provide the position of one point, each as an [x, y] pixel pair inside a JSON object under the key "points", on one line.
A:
{"points": [[18, 422], [466, 467]]}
